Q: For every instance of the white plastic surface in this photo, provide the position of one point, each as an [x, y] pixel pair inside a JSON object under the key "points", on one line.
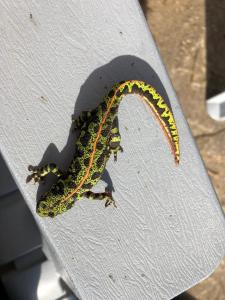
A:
{"points": [[216, 107], [61, 57]]}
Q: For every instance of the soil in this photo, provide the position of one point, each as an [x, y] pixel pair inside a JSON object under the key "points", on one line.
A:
{"points": [[190, 35]]}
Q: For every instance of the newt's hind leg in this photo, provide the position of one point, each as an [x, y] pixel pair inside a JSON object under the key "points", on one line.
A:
{"points": [[114, 142], [106, 196], [38, 173], [79, 121]]}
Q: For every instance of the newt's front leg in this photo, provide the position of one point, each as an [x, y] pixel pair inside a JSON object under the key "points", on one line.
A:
{"points": [[79, 121], [106, 196], [40, 172]]}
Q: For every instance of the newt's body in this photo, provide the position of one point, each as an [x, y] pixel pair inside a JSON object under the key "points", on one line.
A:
{"points": [[99, 138]]}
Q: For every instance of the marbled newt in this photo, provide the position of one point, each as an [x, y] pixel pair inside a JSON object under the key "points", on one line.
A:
{"points": [[99, 138]]}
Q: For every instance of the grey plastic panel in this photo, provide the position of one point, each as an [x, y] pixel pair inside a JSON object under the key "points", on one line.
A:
{"points": [[168, 230]]}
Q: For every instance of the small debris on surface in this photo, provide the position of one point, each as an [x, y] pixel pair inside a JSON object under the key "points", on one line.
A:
{"points": [[32, 19], [44, 99], [112, 278]]}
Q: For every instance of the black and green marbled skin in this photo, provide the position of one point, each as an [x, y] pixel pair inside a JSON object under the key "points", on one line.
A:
{"points": [[99, 138]]}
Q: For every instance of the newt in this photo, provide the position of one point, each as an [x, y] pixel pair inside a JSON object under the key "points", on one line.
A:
{"points": [[99, 138]]}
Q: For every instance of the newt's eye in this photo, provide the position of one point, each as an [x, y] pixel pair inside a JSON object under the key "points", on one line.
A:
{"points": [[51, 214]]}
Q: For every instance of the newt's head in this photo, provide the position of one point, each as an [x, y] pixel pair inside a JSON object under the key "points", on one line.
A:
{"points": [[51, 205]]}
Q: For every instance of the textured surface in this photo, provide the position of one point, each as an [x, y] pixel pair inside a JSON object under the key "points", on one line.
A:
{"points": [[168, 230]]}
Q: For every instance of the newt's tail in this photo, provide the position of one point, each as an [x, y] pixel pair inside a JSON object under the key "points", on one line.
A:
{"points": [[157, 104]]}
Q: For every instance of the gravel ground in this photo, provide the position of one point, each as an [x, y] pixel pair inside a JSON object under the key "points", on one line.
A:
{"points": [[190, 35]]}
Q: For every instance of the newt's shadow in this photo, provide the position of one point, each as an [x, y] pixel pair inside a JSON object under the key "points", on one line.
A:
{"points": [[91, 93]]}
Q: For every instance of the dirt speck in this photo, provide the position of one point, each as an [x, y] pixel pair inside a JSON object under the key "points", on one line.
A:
{"points": [[112, 278], [44, 99]]}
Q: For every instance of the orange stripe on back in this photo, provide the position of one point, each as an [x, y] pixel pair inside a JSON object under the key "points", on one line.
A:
{"points": [[93, 153], [161, 122]]}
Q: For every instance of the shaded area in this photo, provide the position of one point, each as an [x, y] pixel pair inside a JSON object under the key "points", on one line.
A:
{"points": [[184, 296], [144, 6], [215, 44]]}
